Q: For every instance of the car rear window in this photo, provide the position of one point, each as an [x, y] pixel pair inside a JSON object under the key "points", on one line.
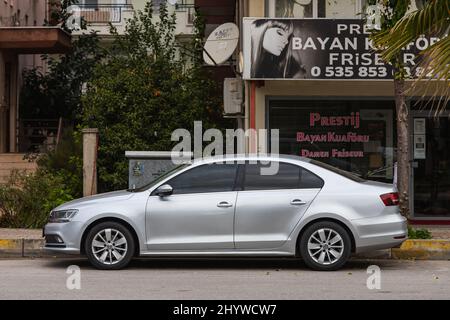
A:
{"points": [[288, 176], [341, 172]]}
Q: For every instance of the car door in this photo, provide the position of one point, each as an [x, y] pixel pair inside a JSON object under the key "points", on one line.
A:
{"points": [[269, 206], [199, 214]]}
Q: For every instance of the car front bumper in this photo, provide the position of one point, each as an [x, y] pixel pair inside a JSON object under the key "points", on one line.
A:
{"points": [[63, 237], [381, 232]]}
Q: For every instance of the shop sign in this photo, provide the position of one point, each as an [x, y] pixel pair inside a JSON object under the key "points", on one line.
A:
{"points": [[318, 49], [351, 121]]}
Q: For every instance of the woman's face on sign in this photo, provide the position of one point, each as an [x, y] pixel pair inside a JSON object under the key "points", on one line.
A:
{"points": [[275, 40]]}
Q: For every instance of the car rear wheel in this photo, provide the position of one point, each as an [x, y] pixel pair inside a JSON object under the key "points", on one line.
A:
{"points": [[325, 246], [109, 246]]}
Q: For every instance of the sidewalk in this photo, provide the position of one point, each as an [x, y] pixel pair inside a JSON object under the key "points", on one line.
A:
{"points": [[437, 232], [21, 243], [20, 233]]}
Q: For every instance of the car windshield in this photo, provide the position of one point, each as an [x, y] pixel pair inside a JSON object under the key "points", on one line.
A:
{"points": [[347, 174], [160, 178]]}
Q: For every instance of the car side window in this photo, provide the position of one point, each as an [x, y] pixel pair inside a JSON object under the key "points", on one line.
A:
{"points": [[309, 180], [289, 176], [216, 177]]}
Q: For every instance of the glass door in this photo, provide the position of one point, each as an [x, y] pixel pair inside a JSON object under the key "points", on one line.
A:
{"points": [[431, 166]]}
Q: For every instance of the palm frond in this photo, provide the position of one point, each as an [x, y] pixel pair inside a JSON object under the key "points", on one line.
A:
{"points": [[432, 19], [431, 74]]}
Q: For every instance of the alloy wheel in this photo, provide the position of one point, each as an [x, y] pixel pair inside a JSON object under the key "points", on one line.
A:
{"points": [[109, 246], [325, 246]]}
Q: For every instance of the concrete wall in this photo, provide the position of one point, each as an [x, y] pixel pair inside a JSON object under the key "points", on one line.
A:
{"points": [[256, 8], [22, 12]]}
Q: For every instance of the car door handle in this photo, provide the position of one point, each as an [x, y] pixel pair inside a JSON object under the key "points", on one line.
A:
{"points": [[297, 202], [224, 204]]}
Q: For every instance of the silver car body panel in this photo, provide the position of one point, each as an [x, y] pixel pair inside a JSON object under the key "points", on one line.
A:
{"points": [[191, 221], [264, 219], [258, 223]]}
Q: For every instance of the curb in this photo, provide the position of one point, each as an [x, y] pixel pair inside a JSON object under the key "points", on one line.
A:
{"points": [[22, 248], [436, 249], [413, 249]]}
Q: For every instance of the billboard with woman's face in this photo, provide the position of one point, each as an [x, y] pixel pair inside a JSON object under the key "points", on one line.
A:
{"points": [[317, 49]]}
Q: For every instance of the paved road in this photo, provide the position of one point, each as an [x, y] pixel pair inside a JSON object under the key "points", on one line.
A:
{"points": [[231, 279]]}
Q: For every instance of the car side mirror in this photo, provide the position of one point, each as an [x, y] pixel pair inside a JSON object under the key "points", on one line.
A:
{"points": [[164, 190]]}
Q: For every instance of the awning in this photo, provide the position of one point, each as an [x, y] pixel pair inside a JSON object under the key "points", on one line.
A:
{"points": [[34, 40]]}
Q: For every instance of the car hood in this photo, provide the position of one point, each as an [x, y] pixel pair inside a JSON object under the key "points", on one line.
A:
{"points": [[98, 198]]}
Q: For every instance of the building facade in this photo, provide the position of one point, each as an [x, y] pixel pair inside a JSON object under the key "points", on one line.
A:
{"points": [[99, 14], [23, 38], [309, 71]]}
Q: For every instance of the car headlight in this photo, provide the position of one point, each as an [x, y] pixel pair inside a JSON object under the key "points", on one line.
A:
{"points": [[62, 215]]}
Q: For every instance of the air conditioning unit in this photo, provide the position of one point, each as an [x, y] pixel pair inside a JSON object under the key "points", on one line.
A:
{"points": [[233, 96]]}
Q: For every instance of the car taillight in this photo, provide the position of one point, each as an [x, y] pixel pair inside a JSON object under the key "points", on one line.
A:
{"points": [[390, 199]]}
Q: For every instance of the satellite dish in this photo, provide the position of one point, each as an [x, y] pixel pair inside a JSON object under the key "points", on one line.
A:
{"points": [[221, 44], [172, 2]]}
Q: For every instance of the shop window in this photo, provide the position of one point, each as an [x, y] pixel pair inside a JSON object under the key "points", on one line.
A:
{"points": [[336, 9], [357, 136], [430, 151]]}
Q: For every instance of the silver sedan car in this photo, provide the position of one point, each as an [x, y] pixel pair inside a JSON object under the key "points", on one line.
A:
{"points": [[232, 208]]}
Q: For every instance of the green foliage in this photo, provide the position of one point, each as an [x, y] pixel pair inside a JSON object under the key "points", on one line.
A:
{"points": [[418, 233], [27, 199], [143, 91], [66, 162], [57, 93]]}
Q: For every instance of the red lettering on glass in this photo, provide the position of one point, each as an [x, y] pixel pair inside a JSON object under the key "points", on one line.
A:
{"points": [[331, 136], [352, 120], [335, 153]]}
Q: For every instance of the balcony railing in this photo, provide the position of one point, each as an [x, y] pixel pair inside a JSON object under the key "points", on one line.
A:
{"points": [[183, 5], [187, 6], [103, 13]]}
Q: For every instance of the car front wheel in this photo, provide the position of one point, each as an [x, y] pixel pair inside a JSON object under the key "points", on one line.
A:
{"points": [[325, 246], [109, 246]]}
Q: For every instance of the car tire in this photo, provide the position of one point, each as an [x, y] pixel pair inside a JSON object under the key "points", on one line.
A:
{"points": [[325, 246], [109, 246]]}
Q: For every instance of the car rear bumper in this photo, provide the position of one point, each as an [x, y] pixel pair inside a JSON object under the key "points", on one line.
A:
{"points": [[382, 232]]}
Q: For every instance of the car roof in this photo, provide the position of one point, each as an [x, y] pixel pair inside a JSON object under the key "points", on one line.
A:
{"points": [[256, 157]]}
